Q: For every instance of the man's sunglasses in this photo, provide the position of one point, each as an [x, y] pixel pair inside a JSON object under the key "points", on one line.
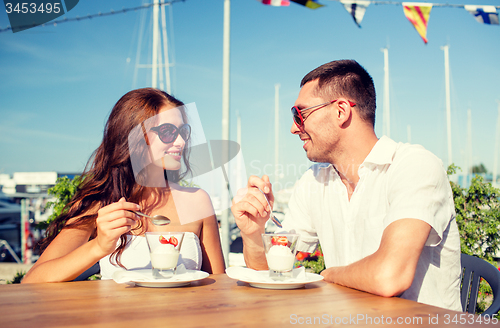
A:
{"points": [[299, 119], [168, 132]]}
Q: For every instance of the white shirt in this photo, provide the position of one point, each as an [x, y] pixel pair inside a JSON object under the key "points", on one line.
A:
{"points": [[397, 181]]}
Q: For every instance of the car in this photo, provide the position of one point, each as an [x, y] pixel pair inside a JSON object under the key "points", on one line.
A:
{"points": [[10, 230]]}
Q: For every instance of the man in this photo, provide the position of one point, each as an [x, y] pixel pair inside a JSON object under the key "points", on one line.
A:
{"points": [[383, 211]]}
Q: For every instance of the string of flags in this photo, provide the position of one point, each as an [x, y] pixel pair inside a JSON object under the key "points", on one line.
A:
{"points": [[417, 13], [110, 13], [312, 4]]}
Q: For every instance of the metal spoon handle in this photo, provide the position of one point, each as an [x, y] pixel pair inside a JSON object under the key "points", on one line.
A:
{"points": [[271, 216], [275, 220], [158, 220], [142, 214]]}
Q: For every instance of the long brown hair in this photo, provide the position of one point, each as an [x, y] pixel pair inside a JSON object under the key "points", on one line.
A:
{"points": [[109, 175]]}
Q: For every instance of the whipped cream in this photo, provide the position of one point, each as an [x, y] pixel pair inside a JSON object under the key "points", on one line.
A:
{"points": [[164, 256], [280, 258]]}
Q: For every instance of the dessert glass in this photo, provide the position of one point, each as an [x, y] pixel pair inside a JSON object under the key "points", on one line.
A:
{"points": [[280, 249], [164, 248]]}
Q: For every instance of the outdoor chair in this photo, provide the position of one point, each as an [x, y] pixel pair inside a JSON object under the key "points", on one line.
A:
{"points": [[95, 269], [473, 269]]}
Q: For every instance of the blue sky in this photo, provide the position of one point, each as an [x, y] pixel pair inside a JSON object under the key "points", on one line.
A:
{"points": [[59, 83]]}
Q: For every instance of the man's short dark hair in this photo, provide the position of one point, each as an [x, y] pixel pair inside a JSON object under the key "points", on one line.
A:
{"points": [[346, 78]]}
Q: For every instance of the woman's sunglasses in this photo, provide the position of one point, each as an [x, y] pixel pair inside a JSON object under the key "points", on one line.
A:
{"points": [[299, 119], [168, 132]]}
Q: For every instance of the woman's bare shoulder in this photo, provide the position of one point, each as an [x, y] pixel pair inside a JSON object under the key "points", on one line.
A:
{"points": [[192, 204], [193, 193]]}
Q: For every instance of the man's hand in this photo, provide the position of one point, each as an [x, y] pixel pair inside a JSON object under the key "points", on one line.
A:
{"points": [[251, 212], [250, 208]]}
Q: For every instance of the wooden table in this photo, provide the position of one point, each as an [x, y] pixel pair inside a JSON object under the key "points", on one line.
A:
{"points": [[217, 301]]}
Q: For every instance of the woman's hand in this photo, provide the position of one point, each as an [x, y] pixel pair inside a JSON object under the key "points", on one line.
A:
{"points": [[113, 221]]}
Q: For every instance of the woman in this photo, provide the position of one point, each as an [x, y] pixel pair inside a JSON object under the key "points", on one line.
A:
{"points": [[132, 171]]}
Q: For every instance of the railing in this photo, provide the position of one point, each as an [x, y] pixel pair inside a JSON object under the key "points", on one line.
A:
{"points": [[7, 246]]}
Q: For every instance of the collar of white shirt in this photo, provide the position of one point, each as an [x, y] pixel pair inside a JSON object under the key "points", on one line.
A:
{"points": [[381, 154]]}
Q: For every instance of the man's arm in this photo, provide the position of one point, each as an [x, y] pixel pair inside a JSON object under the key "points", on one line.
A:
{"points": [[390, 270]]}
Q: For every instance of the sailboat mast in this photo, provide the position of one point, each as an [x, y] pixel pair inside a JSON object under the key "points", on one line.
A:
{"points": [[387, 106], [166, 62], [154, 77], [276, 130], [225, 128], [448, 100], [239, 159], [160, 57], [497, 145], [469, 141]]}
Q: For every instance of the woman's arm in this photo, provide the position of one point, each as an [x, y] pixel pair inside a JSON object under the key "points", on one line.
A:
{"points": [[71, 252], [67, 256]]}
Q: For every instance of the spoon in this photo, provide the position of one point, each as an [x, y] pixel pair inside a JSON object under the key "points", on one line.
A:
{"points": [[271, 216], [158, 220]]}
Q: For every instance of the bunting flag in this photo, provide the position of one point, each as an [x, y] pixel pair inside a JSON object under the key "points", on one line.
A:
{"points": [[275, 3], [312, 4], [356, 8], [484, 14], [418, 14]]}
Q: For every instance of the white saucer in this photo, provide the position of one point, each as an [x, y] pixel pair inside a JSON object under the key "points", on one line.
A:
{"points": [[261, 279], [144, 278]]}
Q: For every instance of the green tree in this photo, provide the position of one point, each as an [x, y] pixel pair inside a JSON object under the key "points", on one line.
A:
{"points": [[64, 189], [478, 217], [478, 220], [479, 169]]}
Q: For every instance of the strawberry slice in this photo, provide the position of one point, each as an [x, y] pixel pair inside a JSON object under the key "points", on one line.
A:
{"points": [[163, 240], [301, 256], [279, 240], [173, 241]]}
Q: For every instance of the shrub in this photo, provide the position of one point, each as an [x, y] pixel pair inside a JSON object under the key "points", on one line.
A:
{"points": [[17, 278], [314, 262], [64, 189], [478, 220], [478, 217]]}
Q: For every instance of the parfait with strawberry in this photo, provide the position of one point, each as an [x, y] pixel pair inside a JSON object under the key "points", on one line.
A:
{"points": [[280, 254], [164, 251]]}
